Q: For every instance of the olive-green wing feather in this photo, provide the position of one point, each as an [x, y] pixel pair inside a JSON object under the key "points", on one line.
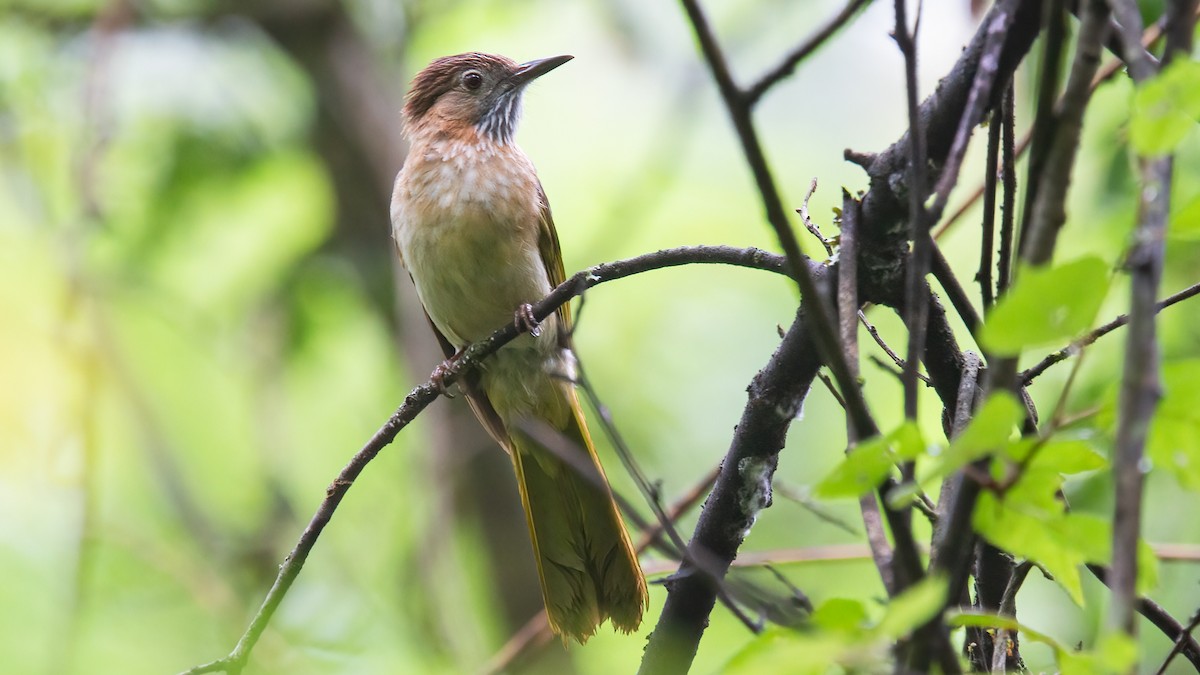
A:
{"points": [[551, 254]]}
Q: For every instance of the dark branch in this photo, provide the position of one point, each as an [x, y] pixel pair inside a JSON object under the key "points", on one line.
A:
{"points": [[743, 488]]}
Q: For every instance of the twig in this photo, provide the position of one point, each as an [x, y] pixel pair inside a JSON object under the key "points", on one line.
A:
{"points": [[954, 290], [802, 498], [1063, 354], [953, 538], [809, 224], [874, 333], [987, 239], [1008, 181], [898, 373], [1042, 132], [1177, 646], [769, 79], [832, 389]]}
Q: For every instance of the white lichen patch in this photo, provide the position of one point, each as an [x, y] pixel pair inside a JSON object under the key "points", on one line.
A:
{"points": [[755, 494]]}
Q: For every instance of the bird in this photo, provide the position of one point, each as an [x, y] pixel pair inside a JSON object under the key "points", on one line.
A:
{"points": [[474, 230]]}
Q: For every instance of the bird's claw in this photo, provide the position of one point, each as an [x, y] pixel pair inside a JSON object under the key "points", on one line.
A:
{"points": [[438, 377], [524, 320]]}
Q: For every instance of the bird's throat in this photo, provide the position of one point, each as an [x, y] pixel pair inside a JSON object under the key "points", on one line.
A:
{"points": [[499, 123]]}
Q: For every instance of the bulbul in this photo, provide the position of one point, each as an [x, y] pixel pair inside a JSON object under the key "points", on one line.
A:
{"points": [[474, 231]]}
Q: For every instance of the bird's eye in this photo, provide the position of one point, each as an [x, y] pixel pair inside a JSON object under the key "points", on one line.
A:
{"points": [[472, 80]]}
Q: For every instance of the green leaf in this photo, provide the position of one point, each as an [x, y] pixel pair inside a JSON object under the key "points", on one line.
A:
{"points": [[978, 620], [986, 434], [840, 615], [907, 441], [868, 463], [1029, 531], [912, 608], [1047, 305], [1064, 457], [863, 468], [1165, 108]]}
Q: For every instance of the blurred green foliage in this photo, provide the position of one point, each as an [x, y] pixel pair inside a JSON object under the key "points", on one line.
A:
{"points": [[189, 352]]}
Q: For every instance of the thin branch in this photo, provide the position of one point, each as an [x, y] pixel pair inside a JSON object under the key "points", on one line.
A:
{"points": [[1008, 182], [1177, 646], [847, 292], [788, 556], [955, 291], [987, 240], [808, 222], [1066, 352], [803, 498], [1158, 616], [421, 396], [874, 333], [832, 389], [953, 537], [848, 316], [915, 307], [769, 79], [1129, 22]]}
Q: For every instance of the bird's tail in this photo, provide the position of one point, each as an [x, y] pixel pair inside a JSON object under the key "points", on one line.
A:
{"points": [[586, 562]]}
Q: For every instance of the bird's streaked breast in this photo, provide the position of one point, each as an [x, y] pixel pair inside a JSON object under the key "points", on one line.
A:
{"points": [[465, 217]]}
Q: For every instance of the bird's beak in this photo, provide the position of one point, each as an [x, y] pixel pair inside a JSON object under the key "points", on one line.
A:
{"points": [[527, 72]]}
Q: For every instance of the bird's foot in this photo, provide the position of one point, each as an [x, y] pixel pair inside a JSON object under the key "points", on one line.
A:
{"points": [[438, 377], [524, 320]]}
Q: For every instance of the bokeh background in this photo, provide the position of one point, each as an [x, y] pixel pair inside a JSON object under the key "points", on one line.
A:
{"points": [[201, 319]]}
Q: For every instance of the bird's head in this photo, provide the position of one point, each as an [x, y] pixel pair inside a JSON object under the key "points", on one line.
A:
{"points": [[480, 90]]}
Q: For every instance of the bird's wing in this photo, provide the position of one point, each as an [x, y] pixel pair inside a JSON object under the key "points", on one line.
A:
{"points": [[551, 254]]}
